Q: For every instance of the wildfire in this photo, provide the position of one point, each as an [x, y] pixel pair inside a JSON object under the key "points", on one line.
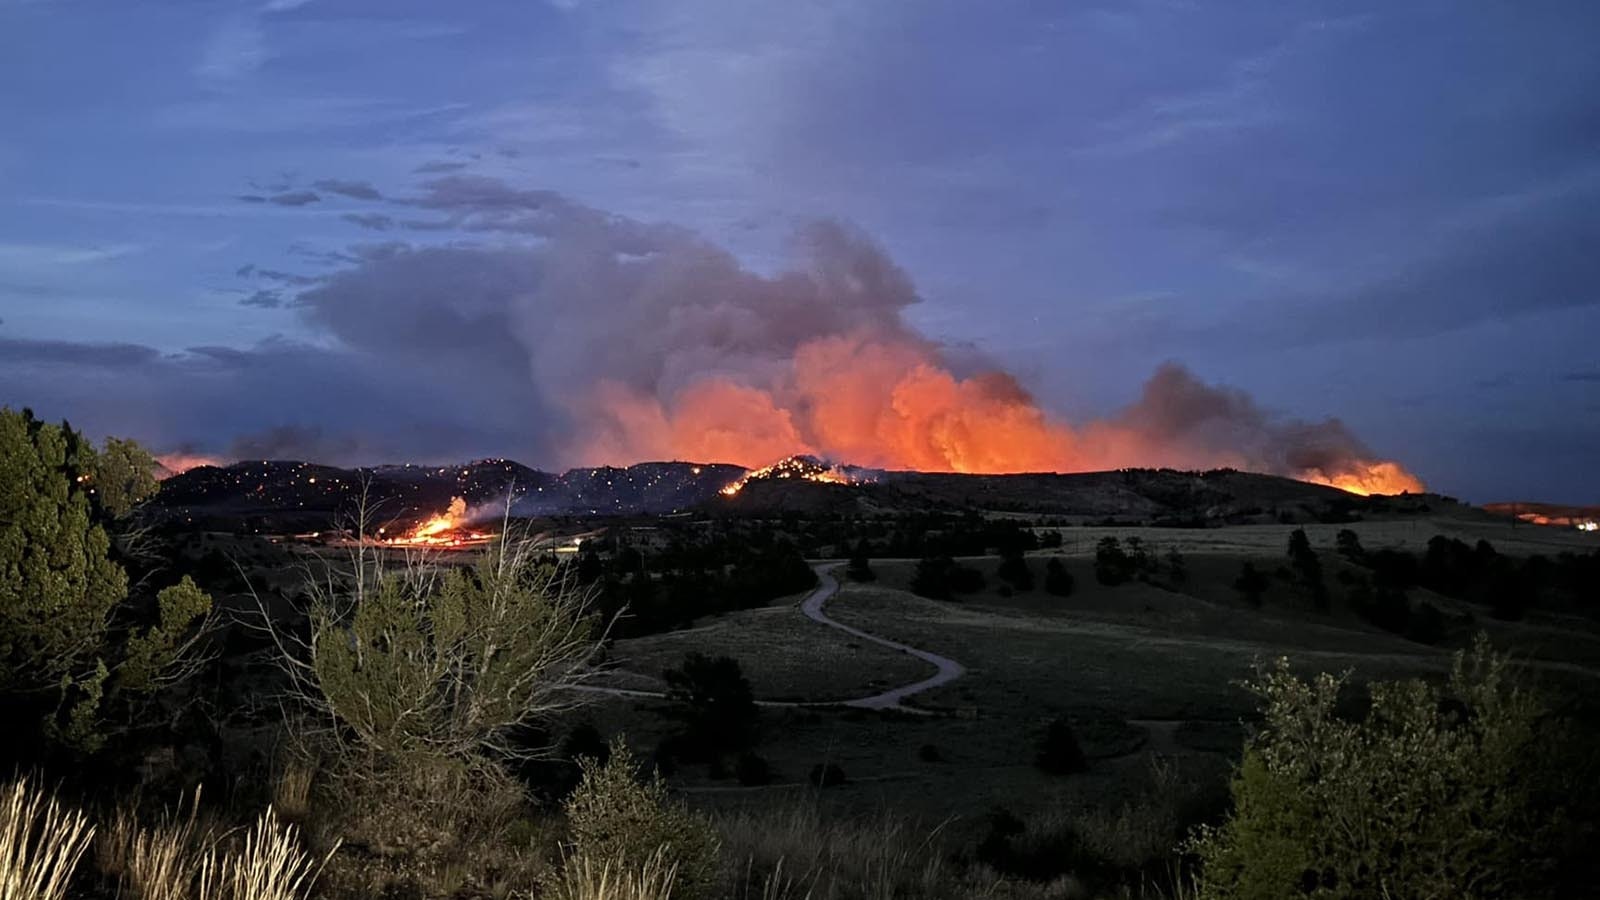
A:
{"points": [[803, 467], [446, 530], [1367, 479], [177, 463]]}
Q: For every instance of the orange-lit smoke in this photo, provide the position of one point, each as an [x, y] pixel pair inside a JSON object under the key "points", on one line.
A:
{"points": [[889, 400], [177, 463], [1366, 478]]}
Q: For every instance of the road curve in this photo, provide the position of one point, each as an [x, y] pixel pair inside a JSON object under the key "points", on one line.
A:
{"points": [[948, 669]]}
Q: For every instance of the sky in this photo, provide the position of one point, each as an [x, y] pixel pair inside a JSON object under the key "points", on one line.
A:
{"points": [[379, 230]]}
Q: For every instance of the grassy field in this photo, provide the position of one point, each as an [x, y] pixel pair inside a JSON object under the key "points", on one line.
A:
{"points": [[1149, 674]]}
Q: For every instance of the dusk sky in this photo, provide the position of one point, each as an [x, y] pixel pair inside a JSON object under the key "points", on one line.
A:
{"points": [[378, 231]]}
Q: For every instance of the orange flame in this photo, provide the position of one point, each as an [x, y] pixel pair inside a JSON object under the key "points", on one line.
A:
{"points": [[1368, 479], [447, 529], [794, 467], [887, 401]]}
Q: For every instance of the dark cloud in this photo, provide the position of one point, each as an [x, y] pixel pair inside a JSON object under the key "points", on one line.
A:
{"points": [[19, 351], [1591, 377], [263, 299], [294, 198], [356, 190], [439, 167], [295, 279], [374, 221]]}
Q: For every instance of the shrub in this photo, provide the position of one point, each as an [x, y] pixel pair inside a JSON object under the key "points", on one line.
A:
{"points": [[1251, 584], [1436, 793], [618, 820], [1057, 580], [1059, 751], [1112, 565], [448, 662], [1014, 571]]}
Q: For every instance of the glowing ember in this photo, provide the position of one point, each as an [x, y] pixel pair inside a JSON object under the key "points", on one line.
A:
{"points": [[802, 467], [446, 530], [1368, 479]]}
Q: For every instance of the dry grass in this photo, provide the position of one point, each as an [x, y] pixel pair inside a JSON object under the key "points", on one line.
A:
{"points": [[585, 879], [157, 862], [267, 864], [40, 843], [291, 792]]}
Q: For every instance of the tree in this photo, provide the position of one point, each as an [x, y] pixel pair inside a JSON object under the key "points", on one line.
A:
{"points": [[1057, 580], [1348, 544], [1059, 751], [1251, 583], [860, 567], [1309, 566], [932, 577], [60, 588], [1177, 569], [123, 476], [1014, 570], [722, 707], [1438, 791], [1112, 566]]}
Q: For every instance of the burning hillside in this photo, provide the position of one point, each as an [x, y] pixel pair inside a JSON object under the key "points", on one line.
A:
{"points": [[804, 468]]}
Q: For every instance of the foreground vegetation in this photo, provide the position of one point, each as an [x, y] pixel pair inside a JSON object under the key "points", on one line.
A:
{"points": [[413, 730]]}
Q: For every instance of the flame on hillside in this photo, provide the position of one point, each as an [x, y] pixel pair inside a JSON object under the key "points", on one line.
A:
{"points": [[1366, 479], [447, 530], [177, 463], [801, 467]]}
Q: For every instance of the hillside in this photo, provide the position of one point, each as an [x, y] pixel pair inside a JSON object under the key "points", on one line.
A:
{"points": [[292, 495]]}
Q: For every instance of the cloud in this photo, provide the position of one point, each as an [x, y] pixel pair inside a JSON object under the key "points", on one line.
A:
{"points": [[1590, 377], [374, 221], [438, 167], [263, 299], [356, 190], [48, 353]]}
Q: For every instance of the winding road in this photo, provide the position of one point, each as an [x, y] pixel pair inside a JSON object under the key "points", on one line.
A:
{"points": [[948, 669]]}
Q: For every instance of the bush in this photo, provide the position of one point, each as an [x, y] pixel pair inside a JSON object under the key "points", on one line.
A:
{"points": [[1014, 571], [1057, 580], [1251, 584], [1438, 792], [443, 661], [1059, 751], [938, 577], [618, 820]]}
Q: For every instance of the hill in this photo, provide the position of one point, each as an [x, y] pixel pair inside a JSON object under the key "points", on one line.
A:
{"points": [[291, 495]]}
